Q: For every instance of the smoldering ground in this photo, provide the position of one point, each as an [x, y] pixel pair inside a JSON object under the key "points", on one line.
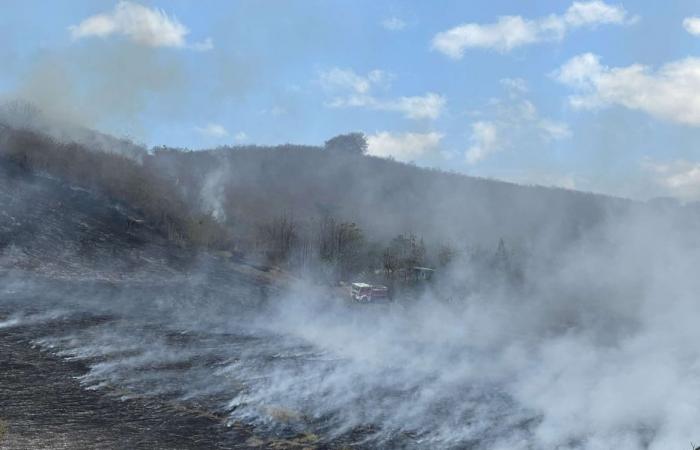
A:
{"points": [[597, 353], [596, 349]]}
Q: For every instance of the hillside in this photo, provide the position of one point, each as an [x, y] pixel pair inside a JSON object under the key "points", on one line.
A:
{"points": [[249, 185], [52, 229], [305, 208], [175, 281]]}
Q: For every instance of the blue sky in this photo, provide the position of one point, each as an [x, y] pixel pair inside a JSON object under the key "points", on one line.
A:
{"points": [[589, 95]]}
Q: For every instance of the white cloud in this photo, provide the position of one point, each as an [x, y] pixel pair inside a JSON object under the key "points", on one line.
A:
{"points": [[140, 24], [679, 178], [671, 92], [350, 90], [393, 24], [580, 70], [403, 146], [337, 78], [504, 35], [240, 136], [510, 32], [692, 25], [595, 13], [484, 141], [513, 122], [428, 106], [212, 130]]}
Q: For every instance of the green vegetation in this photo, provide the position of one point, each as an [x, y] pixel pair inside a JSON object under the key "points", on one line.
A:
{"points": [[354, 143]]}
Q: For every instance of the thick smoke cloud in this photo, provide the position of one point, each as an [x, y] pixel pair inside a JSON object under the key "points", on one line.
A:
{"points": [[107, 84], [595, 351]]}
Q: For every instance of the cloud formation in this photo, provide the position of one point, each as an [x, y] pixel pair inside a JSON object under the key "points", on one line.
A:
{"points": [[345, 79], [350, 90], [510, 32], [403, 146], [672, 92], [139, 24], [512, 121], [679, 178], [692, 25], [213, 130], [428, 106], [484, 141]]}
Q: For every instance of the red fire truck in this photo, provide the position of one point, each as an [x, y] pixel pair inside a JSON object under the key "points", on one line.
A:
{"points": [[366, 293]]}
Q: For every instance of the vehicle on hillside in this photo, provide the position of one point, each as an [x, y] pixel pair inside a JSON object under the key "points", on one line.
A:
{"points": [[367, 293]]}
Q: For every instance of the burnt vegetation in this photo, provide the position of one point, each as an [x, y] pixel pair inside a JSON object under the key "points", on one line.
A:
{"points": [[332, 211]]}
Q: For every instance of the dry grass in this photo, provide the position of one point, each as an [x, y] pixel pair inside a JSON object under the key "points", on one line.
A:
{"points": [[3, 429], [283, 414], [305, 441]]}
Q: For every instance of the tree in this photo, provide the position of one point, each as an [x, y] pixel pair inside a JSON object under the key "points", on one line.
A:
{"points": [[341, 245], [354, 143], [404, 252], [278, 238]]}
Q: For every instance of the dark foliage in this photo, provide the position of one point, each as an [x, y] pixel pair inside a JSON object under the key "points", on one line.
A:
{"points": [[355, 143]]}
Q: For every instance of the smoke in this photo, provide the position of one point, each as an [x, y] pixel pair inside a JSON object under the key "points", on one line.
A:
{"points": [[213, 195], [597, 350], [599, 353], [109, 86]]}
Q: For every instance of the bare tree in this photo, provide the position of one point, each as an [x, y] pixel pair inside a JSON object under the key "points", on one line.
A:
{"points": [[341, 245], [278, 238]]}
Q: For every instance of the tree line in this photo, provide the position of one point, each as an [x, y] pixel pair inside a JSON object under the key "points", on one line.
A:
{"points": [[335, 250], [346, 212]]}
